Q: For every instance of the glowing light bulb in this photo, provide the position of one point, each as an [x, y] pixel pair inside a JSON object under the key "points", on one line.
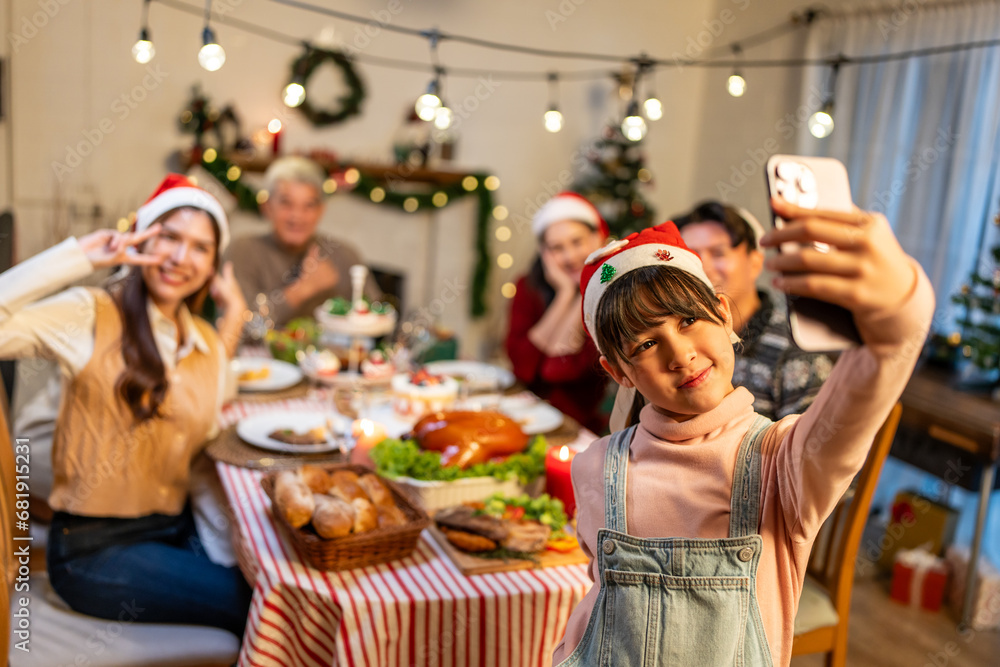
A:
{"points": [[427, 106], [143, 50], [653, 108], [553, 120], [736, 85], [211, 56], [294, 95], [821, 123], [443, 118], [634, 127], [274, 126]]}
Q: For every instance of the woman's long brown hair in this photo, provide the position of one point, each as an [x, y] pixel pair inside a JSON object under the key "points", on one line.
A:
{"points": [[143, 383], [642, 299]]}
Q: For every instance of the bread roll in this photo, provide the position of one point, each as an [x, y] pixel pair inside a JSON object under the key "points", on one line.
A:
{"points": [[377, 492], [344, 483], [333, 516], [367, 516], [390, 515], [316, 478], [293, 498]]}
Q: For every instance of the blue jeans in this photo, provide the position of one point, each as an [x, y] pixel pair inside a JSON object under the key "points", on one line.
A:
{"points": [[149, 570]]}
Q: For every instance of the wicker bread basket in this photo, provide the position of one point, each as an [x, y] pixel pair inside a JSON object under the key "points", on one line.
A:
{"points": [[362, 549]]}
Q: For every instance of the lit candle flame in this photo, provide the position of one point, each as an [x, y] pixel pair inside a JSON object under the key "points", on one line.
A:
{"points": [[367, 426], [564, 453]]}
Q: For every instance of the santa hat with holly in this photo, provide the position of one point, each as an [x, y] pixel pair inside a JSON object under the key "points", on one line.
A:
{"points": [[655, 246], [176, 191]]}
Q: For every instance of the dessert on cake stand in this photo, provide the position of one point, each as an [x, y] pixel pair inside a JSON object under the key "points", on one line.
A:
{"points": [[361, 323]]}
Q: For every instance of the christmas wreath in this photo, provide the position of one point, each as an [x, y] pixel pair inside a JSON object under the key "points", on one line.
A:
{"points": [[349, 104]]}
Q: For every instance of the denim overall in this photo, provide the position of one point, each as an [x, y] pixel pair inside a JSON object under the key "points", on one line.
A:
{"points": [[677, 601]]}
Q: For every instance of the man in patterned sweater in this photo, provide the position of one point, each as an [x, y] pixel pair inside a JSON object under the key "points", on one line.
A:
{"points": [[783, 379]]}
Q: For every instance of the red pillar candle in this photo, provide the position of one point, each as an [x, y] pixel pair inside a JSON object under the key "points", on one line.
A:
{"points": [[274, 127], [558, 482], [366, 434]]}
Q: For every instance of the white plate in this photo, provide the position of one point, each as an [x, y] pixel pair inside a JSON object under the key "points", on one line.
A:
{"points": [[479, 375], [532, 415], [282, 375], [383, 413], [255, 430], [537, 417]]}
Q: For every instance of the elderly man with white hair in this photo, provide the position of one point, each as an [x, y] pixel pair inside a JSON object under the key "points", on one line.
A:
{"points": [[295, 268]]}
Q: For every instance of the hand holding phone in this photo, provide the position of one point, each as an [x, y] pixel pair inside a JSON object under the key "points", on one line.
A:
{"points": [[813, 183]]}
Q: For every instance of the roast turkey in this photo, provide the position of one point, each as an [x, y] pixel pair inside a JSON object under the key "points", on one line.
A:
{"points": [[466, 438]]}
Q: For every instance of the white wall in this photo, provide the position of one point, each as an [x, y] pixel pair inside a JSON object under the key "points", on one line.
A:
{"points": [[736, 134], [69, 77]]}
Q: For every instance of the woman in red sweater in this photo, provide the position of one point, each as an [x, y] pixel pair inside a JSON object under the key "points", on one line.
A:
{"points": [[546, 343]]}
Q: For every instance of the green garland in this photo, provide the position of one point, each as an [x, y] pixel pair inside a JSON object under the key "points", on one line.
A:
{"points": [[413, 203], [366, 186], [349, 105], [246, 197]]}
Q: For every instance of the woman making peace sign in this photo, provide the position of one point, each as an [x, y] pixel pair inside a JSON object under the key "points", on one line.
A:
{"points": [[143, 380]]}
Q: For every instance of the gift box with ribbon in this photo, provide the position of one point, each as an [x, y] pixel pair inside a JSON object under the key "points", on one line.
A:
{"points": [[918, 579], [986, 603], [917, 522]]}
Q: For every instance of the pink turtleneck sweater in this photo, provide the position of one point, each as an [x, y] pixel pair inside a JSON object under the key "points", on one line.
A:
{"points": [[680, 474]]}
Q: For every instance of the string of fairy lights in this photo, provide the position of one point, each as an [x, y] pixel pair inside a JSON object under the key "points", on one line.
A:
{"points": [[430, 105]]}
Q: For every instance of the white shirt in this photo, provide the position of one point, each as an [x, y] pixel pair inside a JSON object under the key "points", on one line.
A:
{"points": [[61, 326]]}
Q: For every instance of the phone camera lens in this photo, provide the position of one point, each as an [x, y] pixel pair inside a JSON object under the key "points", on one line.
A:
{"points": [[787, 171], [806, 182]]}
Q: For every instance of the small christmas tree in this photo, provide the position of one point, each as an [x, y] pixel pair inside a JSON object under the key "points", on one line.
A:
{"points": [[612, 180], [980, 338]]}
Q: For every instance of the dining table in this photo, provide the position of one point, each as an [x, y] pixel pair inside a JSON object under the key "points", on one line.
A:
{"points": [[418, 610]]}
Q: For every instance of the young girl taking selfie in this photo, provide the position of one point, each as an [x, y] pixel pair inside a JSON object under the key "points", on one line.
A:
{"points": [[699, 518]]}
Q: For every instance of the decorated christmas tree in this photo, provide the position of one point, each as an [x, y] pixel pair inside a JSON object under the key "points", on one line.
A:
{"points": [[980, 322], [612, 181]]}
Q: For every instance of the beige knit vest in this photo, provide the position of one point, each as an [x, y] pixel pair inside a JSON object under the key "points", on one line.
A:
{"points": [[103, 463]]}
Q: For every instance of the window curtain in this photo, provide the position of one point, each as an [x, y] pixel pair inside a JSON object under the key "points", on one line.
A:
{"points": [[920, 136], [921, 141]]}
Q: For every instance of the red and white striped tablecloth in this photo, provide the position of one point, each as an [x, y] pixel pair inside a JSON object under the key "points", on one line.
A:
{"points": [[419, 610]]}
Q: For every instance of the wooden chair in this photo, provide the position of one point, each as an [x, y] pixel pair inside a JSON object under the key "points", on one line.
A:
{"points": [[822, 622]]}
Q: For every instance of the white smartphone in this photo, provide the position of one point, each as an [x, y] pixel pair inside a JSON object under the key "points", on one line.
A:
{"points": [[817, 183]]}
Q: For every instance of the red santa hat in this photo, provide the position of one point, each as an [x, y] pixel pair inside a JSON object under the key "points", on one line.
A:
{"points": [[176, 191], [655, 246], [568, 206]]}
